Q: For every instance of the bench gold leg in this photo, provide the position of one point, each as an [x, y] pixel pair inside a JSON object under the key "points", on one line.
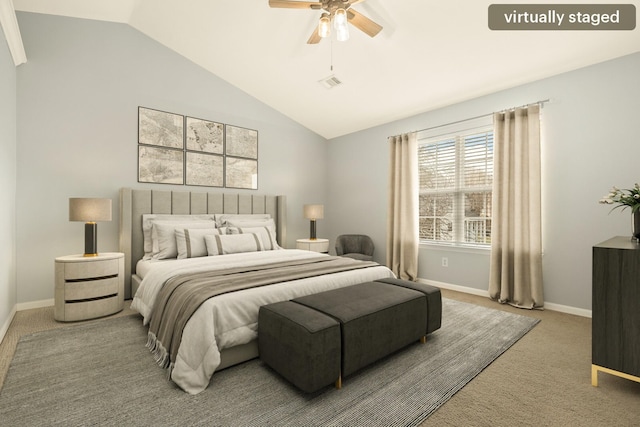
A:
{"points": [[423, 340], [339, 382]]}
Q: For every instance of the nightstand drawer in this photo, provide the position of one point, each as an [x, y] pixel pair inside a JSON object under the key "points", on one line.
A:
{"points": [[75, 291], [88, 270], [315, 245], [89, 309]]}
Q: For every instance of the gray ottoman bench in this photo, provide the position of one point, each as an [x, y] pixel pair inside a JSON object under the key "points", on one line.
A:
{"points": [[434, 300], [374, 319], [301, 344]]}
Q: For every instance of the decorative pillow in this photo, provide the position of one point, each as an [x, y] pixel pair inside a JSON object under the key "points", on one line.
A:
{"points": [[163, 236], [147, 223], [190, 241], [223, 244], [267, 235], [221, 219], [249, 222]]}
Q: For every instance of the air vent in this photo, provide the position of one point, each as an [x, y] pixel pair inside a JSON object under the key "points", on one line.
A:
{"points": [[330, 82]]}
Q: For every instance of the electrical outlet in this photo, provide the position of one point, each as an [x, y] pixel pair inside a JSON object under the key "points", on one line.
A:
{"points": [[445, 261]]}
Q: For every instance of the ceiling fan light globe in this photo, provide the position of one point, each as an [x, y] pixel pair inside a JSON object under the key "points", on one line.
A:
{"points": [[342, 34], [340, 18], [324, 27]]}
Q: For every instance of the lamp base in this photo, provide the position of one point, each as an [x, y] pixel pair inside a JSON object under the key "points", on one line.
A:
{"points": [[313, 230], [90, 239]]}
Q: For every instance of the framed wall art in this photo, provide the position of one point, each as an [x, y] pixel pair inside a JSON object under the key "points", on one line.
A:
{"points": [[204, 136], [204, 169], [241, 142], [184, 150], [241, 173], [160, 165], [160, 128]]}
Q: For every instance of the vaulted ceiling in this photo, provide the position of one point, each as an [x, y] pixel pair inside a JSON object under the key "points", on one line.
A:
{"points": [[429, 54]]}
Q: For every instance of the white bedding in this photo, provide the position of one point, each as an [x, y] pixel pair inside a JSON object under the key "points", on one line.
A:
{"points": [[231, 319], [145, 265]]}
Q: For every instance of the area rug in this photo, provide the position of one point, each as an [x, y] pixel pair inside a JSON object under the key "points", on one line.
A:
{"points": [[100, 373]]}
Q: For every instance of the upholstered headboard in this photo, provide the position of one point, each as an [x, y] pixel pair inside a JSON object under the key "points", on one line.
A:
{"points": [[134, 203]]}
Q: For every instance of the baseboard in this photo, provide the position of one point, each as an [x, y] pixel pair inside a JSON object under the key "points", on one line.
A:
{"points": [[5, 327], [35, 304], [458, 288], [547, 305], [583, 312]]}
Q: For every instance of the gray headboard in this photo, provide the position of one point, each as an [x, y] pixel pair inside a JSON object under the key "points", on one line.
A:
{"points": [[134, 203]]}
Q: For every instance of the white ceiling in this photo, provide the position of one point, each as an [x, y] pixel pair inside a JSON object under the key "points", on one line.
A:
{"points": [[430, 53]]}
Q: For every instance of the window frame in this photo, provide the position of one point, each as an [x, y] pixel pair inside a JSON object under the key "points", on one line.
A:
{"points": [[457, 132]]}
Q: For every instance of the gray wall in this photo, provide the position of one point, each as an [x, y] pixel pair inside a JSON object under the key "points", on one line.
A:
{"points": [[77, 99], [589, 143], [8, 292]]}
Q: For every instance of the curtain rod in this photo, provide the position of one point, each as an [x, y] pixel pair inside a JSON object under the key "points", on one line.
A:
{"points": [[542, 102]]}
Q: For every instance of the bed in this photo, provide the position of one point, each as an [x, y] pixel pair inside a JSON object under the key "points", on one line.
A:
{"points": [[222, 330]]}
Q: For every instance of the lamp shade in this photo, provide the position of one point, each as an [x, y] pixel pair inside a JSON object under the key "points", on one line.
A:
{"points": [[89, 210], [314, 211]]}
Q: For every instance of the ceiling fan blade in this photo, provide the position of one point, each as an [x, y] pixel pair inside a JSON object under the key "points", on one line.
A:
{"points": [[290, 4], [363, 23], [315, 37]]}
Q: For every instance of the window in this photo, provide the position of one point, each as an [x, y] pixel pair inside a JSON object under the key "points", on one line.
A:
{"points": [[456, 176]]}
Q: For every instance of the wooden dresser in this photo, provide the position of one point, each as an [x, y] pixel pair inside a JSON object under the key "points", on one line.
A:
{"points": [[616, 309]]}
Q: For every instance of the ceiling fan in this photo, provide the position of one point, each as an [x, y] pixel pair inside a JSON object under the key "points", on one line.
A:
{"points": [[337, 11]]}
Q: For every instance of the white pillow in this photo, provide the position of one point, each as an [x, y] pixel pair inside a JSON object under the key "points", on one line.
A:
{"points": [[190, 241], [147, 223], [267, 235], [223, 244], [221, 219], [245, 223], [249, 222], [163, 236]]}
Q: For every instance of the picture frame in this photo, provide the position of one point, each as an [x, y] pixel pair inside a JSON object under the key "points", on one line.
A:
{"points": [[241, 142], [204, 136], [159, 128], [241, 173], [160, 165], [204, 169], [185, 150]]}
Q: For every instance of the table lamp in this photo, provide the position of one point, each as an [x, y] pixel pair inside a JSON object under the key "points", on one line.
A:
{"points": [[90, 211], [312, 213]]}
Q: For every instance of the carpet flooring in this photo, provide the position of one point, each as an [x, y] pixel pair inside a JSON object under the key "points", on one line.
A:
{"points": [[100, 373]]}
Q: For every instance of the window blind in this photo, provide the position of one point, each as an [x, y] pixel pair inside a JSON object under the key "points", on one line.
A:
{"points": [[456, 176]]}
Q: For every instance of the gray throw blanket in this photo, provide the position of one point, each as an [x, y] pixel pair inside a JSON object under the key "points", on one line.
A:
{"points": [[181, 295]]}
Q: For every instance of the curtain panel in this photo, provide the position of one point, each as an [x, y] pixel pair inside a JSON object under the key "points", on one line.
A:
{"points": [[516, 236], [402, 213]]}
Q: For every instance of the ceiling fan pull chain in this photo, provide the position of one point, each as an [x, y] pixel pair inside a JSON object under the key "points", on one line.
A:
{"points": [[331, 54]]}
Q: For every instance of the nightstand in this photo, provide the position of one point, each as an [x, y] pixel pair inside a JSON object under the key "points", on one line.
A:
{"points": [[88, 287], [316, 245]]}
